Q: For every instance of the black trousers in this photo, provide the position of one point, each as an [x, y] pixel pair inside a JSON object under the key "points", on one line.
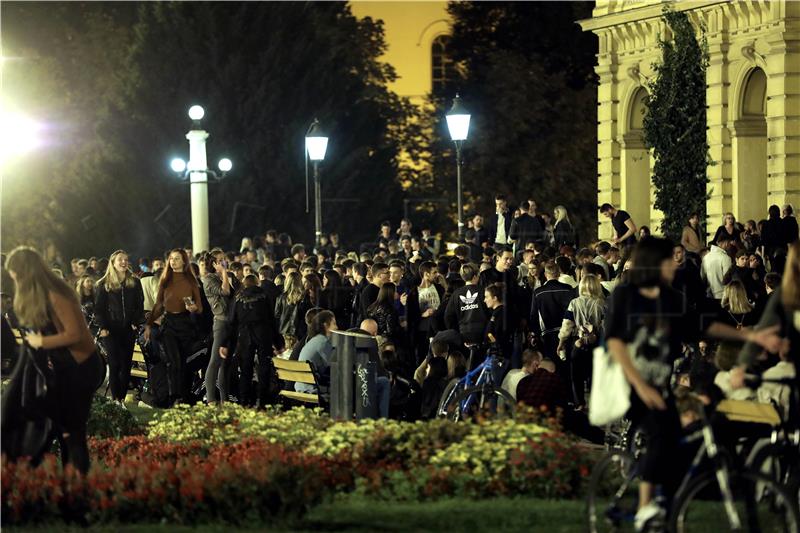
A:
{"points": [[178, 334], [249, 351], [119, 347], [75, 387]]}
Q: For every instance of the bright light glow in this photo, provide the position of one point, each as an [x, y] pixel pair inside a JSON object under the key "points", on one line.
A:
{"points": [[458, 126], [197, 112], [316, 147], [225, 164], [178, 165], [458, 120], [18, 135]]}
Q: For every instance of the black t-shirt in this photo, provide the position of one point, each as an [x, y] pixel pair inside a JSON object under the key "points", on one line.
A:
{"points": [[653, 329], [618, 221]]}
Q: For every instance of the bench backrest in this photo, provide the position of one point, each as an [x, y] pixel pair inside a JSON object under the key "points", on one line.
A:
{"points": [[297, 371]]}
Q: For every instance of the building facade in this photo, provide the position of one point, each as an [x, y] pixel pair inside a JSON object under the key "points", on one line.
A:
{"points": [[753, 100], [417, 35]]}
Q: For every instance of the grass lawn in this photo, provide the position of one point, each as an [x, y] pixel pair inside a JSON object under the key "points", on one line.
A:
{"points": [[352, 513]]}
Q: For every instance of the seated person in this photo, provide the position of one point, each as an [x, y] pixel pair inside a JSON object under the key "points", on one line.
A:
{"points": [[530, 362], [543, 388], [318, 351], [725, 359], [438, 349], [780, 394], [433, 387]]}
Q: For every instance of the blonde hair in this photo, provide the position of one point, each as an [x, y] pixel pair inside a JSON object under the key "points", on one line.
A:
{"points": [[590, 287], [79, 285], [560, 213], [293, 288], [34, 283], [110, 280], [790, 284], [734, 299]]}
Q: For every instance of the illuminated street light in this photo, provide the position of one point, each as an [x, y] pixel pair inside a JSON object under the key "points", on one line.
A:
{"points": [[316, 146], [197, 172], [458, 123]]}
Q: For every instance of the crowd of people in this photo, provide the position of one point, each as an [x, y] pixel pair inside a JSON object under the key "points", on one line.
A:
{"points": [[518, 284]]}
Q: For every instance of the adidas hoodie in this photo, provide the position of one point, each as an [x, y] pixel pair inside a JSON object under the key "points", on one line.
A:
{"points": [[467, 313]]}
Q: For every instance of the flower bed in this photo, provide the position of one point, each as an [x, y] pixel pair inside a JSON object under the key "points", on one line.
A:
{"points": [[238, 465]]}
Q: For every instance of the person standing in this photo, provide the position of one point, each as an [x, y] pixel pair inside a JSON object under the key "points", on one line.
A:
{"points": [[251, 322], [548, 308], [716, 264], [119, 311], [691, 239], [178, 298], [624, 226], [789, 229], [466, 311], [217, 287], [526, 228], [500, 222], [48, 309], [290, 309], [728, 228], [563, 232]]}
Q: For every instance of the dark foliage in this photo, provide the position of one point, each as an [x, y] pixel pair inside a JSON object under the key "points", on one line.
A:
{"points": [[675, 125]]}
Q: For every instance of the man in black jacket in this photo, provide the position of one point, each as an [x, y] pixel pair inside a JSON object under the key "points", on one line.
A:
{"points": [[525, 228], [466, 310], [548, 306], [499, 223], [380, 275]]}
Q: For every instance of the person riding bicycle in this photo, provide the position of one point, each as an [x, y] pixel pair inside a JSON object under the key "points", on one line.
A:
{"points": [[645, 327]]}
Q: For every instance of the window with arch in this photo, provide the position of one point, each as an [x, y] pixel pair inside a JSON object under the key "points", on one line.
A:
{"points": [[443, 69]]}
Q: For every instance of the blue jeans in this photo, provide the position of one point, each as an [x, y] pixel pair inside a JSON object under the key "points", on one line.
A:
{"points": [[384, 388]]}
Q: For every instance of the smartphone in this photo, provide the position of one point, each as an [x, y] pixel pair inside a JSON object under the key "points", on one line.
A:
{"points": [[187, 301]]}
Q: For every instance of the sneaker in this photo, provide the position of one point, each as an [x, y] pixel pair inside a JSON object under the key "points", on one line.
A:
{"points": [[122, 404], [649, 517], [144, 405]]}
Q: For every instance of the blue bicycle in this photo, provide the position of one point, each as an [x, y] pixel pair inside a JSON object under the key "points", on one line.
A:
{"points": [[478, 393]]}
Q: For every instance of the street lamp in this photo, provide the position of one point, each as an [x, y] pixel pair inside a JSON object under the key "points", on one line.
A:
{"points": [[316, 146], [458, 124], [197, 172]]}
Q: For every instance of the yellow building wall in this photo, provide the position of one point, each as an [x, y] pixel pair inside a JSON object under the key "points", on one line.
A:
{"points": [[409, 29], [757, 158]]}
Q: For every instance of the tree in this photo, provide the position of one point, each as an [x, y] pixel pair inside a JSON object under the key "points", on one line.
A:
{"points": [[675, 125], [263, 71], [526, 75]]}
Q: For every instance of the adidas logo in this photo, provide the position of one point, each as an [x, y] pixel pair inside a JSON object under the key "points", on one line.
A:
{"points": [[469, 300]]}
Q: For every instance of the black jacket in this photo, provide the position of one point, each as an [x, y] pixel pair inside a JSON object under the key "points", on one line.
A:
{"points": [[491, 226], [119, 309], [467, 313], [525, 229], [292, 317], [548, 306], [789, 230], [251, 314], [563, 233]]}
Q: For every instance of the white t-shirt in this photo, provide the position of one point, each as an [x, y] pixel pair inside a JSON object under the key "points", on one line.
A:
{"points": [[501, 229], [428, 298], [512, 380]]}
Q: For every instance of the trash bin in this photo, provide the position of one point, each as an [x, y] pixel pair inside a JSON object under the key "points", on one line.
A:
{"points": [[353, 373]]}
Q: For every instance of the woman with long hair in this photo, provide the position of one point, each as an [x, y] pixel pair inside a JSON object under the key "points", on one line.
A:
{"points": [[119, 311], [178, 298], [730, 228], [384, 313], [563, 232], [313, 287], [583, 323], [290, 309], [737, 311], [85, 287], [48, 309]]}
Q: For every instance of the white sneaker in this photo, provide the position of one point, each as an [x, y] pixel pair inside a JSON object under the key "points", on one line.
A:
{"points": [[648, 516]]}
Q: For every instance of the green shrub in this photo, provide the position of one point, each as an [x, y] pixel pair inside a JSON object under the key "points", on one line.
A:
{"points": [[109, 420]]}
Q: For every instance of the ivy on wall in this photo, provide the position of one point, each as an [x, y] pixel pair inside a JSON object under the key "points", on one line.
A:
{"points": [[675, 125]]}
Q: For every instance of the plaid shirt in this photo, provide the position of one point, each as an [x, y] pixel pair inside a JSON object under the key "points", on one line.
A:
{"points": [[542, 388]]}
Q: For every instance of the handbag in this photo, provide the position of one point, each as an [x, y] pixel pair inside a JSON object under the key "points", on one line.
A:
{"points": [[610, 397]]}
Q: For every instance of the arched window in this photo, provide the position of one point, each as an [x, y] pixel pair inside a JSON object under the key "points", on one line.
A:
{"points": [[443, 70]]}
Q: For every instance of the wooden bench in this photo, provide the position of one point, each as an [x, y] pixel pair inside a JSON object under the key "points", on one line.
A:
{"points": [[297, 372], [139, 367]]}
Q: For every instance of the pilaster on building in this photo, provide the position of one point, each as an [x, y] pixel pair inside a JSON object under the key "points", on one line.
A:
{"points": [[752, 98]]}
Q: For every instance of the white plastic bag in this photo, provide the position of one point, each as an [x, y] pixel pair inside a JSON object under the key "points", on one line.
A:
{"points": [[610, 397]]}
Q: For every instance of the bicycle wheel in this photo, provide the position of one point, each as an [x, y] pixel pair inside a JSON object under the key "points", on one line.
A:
{"points": [[760, 505], [484, 401], [780, 461], [613, 493]]}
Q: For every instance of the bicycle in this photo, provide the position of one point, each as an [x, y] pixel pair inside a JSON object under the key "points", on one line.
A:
{"points": [[706, 500], [478, 393]]}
